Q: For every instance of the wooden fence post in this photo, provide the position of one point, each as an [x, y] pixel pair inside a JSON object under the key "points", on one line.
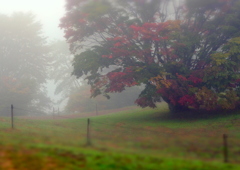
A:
{"points": [[225, 148], [12, 116], [88, 133], [96, 109], [53, 113]]}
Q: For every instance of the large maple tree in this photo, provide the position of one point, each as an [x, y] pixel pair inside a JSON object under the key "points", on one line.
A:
{"points": [[187, 53]]}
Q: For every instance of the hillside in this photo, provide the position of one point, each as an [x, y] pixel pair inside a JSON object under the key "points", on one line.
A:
{"points": [[130, 139]]}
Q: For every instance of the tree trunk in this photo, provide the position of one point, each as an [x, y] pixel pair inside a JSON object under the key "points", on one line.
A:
{"points": [[177, 108]]}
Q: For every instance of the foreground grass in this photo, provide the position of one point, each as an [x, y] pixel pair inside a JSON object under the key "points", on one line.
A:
{"points": [[43, 157], [133, 139]]}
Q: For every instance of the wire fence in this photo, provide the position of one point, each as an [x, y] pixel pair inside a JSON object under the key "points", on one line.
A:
{"points": [[215, 141]]}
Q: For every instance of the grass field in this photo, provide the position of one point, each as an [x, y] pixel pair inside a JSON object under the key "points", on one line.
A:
{"points": [[131, 139]]}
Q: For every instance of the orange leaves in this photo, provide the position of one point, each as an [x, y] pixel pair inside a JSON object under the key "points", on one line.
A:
{"points": [[228, 100], [160, 81], [181, 77], [207, 98], [173, 24], [107, 56]]}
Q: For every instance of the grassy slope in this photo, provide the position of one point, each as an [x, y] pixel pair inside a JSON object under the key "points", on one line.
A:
{"points": [[48, 144], [161, 117]]}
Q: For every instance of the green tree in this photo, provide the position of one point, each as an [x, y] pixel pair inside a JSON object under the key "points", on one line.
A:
{"points": [[174, 51], [23, 63], [75, 92]]}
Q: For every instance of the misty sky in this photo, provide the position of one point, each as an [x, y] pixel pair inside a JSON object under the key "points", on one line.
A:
{"points": [[48, 12]]}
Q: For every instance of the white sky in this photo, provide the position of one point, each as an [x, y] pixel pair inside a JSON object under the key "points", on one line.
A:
{"points": [[48, 12]]}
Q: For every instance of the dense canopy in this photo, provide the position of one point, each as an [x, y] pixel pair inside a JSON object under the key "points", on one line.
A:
{"points": [[186, 52]]}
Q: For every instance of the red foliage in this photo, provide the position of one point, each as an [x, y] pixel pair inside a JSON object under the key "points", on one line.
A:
{"points": [[173, 93], [119, 80], [150, 31], [194, 79], [147, 43], [107, 56], [188, 100], [115, 75], [181, 77]]}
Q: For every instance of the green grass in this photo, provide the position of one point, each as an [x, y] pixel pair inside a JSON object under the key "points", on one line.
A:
{"points": [[162, 117], [43, 157], [133, 139]]}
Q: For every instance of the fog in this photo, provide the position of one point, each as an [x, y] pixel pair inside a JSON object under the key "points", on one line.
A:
{"points": [[67, 97], [31, 38], [48, 12], [37, 65]]}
